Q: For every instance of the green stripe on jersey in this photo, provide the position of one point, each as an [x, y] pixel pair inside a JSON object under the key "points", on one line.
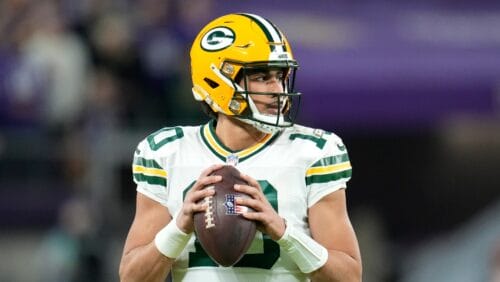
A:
{"points": [[153, 180], [331, 160], [146, 163], [314, 179]]}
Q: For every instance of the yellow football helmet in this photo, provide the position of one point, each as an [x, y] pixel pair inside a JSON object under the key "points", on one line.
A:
{"points": [[231, 46]]}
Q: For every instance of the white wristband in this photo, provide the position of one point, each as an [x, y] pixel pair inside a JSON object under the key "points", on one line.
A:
{"points": [[171, 241], [308, 254]]}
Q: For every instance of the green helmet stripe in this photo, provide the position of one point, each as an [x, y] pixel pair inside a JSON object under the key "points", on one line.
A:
{"points": [[269, 29]]}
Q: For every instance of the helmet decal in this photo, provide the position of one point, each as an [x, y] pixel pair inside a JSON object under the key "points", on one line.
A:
{"points": [[217, 39]]}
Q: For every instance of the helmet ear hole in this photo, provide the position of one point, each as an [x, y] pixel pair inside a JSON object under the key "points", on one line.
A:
{"points": [[239, 76], [211, 83]]}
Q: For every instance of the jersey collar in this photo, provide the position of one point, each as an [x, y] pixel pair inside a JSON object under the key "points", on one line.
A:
{"points": [[213, 143]]}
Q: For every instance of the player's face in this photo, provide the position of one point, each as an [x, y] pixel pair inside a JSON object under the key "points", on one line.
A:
{"points": [[267, 81]]}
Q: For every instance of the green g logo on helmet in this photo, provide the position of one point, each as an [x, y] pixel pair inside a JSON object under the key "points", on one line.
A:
{"points": [[217, 39]]}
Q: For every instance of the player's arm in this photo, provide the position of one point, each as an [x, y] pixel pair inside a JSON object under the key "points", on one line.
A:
{"points": [[330, 226], [332, 254], [141, 259], [155, 240]]}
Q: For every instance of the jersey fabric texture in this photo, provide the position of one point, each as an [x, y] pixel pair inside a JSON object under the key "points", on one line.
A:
{"points": [[296, 168]]}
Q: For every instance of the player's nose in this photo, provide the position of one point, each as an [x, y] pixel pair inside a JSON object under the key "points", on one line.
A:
{"points": [[274, 84]]}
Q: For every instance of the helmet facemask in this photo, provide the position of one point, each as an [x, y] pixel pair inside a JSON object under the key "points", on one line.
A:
{"points": [[287, 102]]}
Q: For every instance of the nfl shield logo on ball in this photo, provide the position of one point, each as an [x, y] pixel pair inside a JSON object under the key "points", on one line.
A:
{"points": [[231, 207]]}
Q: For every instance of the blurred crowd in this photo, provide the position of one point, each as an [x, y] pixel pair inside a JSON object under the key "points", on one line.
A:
{"points": [[71, 73], [67, 63]]}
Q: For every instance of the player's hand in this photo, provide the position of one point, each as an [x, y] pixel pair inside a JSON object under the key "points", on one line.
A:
{"points": [[193, 201], [268, 220]]}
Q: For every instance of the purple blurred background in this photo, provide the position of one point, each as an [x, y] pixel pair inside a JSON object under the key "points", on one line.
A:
{"points": [[391, 64]]}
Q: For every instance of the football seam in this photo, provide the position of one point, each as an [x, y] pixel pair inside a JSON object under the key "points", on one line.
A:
{"points": [[209, 215]]}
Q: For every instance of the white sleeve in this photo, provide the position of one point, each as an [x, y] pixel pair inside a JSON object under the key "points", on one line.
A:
{"points": [[330, 172], [148, 174]]}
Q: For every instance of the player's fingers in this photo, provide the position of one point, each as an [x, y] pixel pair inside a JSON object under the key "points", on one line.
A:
{"points": [[211, 169], [191, 208], [199, 207], [251, 182], [254, 204], [206, 178], [261, 217], [254, 216], [195, 196], [205, 181], [201, 194], [249, 190]]}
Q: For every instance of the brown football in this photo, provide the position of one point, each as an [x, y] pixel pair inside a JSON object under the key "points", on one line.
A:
{"points": [[222, 232]]}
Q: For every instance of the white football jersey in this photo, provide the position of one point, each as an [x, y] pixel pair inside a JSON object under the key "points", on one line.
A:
{"points": [[295, 168]]}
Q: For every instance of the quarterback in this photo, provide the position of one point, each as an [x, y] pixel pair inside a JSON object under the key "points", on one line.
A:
{"points": [[243, 74]]}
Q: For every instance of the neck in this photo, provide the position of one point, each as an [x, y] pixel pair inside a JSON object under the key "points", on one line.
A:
{"points": [[235, 134]]}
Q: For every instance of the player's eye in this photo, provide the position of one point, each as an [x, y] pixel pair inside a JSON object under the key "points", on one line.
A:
{"points": [[264, 76], [259, 77]]}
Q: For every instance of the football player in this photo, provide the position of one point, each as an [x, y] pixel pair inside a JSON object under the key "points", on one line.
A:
{"points": [[243, 74]]}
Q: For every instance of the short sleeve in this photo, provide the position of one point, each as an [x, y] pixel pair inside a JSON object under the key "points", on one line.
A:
{"points": [[330, 172], [148, 174]]}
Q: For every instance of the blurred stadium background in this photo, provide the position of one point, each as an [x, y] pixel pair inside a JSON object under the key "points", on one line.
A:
{"points": [[413, 87]]}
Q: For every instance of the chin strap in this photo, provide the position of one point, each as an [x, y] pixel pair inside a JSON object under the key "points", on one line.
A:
{"points": [[268, 129]]}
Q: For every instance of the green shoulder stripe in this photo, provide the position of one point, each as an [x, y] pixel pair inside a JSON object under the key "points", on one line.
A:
{"points": [[313, 179], [331, 160], [153, 180], [146, 163]]}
